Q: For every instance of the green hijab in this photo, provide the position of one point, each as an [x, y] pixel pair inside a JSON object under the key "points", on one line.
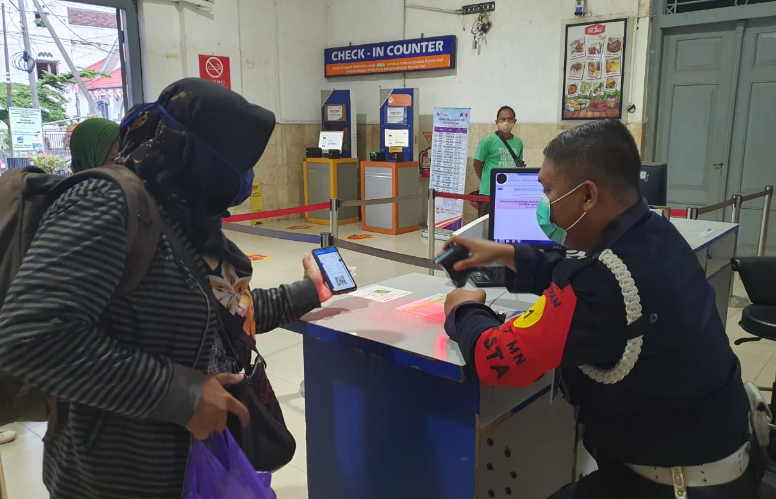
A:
{"points": [[91, 142]]}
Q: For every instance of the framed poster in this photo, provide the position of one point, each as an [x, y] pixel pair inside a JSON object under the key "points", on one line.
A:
{"points": [[594, 70]]}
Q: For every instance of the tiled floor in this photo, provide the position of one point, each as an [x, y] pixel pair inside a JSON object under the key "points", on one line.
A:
{"points": [[283, 351]]}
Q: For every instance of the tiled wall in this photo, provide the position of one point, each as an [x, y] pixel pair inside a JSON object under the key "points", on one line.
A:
{"points": [[280, 169]]}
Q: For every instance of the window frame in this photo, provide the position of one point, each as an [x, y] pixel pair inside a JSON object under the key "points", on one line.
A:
{"points": [[132, 70]]}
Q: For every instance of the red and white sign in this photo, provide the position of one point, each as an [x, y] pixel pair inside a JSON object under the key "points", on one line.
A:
{"points": [[215, 68], [593, 29]]}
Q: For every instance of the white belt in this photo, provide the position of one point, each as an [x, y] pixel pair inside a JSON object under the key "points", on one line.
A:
{"points": [[705, 475]]}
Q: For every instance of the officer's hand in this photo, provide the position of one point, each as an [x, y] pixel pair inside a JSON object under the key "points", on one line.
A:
{"points": [[216, 403], [460, 295], [483, 253]]}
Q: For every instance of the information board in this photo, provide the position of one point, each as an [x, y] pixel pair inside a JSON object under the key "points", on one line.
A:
{"points": [[26, 126], [450, 144]]}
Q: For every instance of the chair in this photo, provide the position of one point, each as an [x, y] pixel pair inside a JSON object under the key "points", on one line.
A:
{"points": [[758, 274]]}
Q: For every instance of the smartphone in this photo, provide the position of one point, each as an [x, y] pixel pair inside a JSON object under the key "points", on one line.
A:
{"points": [[334, 270]]}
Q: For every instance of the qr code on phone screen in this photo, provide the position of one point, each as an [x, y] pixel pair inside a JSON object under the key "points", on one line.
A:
{"points": [[340, 281]]}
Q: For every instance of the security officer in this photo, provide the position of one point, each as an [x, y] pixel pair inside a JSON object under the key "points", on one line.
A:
{"points": [[633, 327]]}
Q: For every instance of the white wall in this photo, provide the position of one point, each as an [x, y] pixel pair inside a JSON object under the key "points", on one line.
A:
{"points": [[255, 35], [520, 65], [276, 51]]}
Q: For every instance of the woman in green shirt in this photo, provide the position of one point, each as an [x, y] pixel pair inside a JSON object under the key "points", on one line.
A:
{"points": [[492, 152]]}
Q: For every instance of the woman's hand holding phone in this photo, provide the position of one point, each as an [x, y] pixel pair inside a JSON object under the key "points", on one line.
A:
{"points": [[312, 271]]}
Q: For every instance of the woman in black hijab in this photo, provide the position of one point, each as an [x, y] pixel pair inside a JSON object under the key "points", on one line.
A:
{"points": [[195, 148], [137, 375]]}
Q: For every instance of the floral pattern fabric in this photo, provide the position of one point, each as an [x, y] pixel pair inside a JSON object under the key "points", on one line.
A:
{"points": [[233, 291]]}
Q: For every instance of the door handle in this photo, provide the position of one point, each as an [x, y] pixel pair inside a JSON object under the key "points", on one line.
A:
{"points": [[718, 166]]}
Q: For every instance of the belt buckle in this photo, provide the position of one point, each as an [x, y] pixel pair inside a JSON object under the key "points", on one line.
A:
{"points": [[677, 479]]}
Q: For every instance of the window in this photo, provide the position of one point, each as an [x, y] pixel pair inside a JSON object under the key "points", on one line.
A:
{"points": [[50, 66], [125, 19], [679, 6], [103, 108]]}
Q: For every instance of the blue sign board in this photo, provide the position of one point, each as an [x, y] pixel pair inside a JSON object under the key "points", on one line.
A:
{"points": [[421, 54]]}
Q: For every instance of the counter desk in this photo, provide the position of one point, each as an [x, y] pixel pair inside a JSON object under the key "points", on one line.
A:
{"points": [[393, 411]]}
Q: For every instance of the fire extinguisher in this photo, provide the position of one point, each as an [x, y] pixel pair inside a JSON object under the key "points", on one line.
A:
{"points": [[425, 163]]}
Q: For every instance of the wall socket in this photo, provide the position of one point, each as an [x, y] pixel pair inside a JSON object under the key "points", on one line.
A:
{"points": [[478, 8]]}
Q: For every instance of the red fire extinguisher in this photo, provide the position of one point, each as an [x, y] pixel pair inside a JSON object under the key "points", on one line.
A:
{"points": [[425, 163]]}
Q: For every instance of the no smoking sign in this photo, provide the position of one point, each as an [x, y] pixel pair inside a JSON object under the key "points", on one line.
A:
{"points": [[215, 68]]}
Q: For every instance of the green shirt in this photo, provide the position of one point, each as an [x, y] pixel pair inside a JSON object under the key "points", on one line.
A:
{"points": [[494, 154]]}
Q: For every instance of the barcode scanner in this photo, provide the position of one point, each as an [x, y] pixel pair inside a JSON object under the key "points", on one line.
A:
{"points": [[447, 260]]}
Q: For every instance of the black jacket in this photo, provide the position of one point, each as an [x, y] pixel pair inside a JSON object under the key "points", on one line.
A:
{"points": [[683, 403]]}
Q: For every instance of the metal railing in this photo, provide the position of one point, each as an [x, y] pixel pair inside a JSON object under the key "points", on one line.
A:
{"points": [[56, 142], [430, 196], [737, 203], [331, 238]]}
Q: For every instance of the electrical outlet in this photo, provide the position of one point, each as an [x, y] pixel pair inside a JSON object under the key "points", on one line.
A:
{"points": [[478, 8]]}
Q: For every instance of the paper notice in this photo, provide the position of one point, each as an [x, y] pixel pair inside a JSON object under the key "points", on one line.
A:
{"points": [[396, 116], [397, 138], [335, 113], [432, 307], [382, 294]]}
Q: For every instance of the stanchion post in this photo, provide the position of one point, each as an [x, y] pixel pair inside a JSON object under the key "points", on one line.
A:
{"points": [[334, 218], [692, 213], [431, 227], [326, 240], [738, 202], [764, 224]]}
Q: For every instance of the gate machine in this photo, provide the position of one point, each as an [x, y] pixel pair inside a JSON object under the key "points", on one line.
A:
{"points": [[398, 175], [335, 175]]}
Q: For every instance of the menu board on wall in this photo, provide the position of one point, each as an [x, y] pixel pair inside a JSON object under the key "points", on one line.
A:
{"points": [[450, 145], [594, 70]]}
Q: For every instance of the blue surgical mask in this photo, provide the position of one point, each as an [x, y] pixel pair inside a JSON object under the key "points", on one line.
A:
{"points": [[550, 229]]}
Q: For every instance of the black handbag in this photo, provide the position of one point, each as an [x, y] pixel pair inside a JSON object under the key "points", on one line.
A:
{"points": [[266, 441]]}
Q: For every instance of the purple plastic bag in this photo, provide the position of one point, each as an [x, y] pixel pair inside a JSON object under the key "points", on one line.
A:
{"points": [[218, 469]]}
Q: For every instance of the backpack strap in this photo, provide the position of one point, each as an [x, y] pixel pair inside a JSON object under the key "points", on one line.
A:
{"points": [[518, 162], [143, 221]]}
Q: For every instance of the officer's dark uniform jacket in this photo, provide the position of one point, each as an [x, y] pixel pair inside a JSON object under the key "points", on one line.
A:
{"points": [[683, 404]]}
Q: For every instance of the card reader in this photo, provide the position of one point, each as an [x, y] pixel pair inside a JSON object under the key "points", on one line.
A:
{"points": [[447, 260]]}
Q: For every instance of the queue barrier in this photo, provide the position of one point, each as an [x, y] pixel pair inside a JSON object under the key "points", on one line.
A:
{"points": [[736, 202], [328, 238], [430, 196], [332, 238]]}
